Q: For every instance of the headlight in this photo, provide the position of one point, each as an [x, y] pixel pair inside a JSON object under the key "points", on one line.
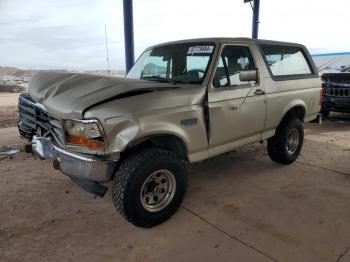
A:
{"points": [[86, 133]]}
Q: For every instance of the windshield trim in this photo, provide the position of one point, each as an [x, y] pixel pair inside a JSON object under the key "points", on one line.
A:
{"points": [[205, 76]]}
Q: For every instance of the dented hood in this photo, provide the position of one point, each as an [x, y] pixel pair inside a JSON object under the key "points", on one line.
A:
{"points": [[67, 95]]}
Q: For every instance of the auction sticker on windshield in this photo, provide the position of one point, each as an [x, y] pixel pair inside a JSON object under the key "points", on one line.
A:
{"points": [[200, 49]]}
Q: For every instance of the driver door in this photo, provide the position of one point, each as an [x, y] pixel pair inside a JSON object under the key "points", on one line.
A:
{"points": [[237, 109]]}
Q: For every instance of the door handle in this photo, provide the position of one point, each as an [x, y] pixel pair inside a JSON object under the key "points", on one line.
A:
{"points": [[259, 92]]}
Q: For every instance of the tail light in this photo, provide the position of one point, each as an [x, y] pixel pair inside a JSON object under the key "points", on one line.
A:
{"points": [[321, 94]]}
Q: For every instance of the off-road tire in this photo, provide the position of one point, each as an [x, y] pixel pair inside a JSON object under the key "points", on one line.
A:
{"points": [[325, 112], [277, 145], [130, 177]]}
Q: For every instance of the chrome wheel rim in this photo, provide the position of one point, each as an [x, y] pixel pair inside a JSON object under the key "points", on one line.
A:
{"points": [[158, 190], [292, 141]]}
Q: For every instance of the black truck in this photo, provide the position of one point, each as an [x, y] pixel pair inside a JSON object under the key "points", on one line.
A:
{"points": [[336, 93]]}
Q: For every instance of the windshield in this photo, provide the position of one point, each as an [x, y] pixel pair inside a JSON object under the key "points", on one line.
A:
{"points": [[184, 63]]}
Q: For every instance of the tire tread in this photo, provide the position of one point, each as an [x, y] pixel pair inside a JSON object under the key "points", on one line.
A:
{"points": [[124, 177], [276, 144]]}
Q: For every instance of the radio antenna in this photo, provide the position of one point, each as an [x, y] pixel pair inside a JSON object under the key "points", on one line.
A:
{"points": [[107, 50]]}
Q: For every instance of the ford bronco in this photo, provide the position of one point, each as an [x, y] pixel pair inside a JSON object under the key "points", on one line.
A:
{"points": [[183, 101]]}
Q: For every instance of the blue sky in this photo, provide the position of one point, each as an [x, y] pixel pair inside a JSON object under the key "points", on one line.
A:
{"points": [[51, 34]]}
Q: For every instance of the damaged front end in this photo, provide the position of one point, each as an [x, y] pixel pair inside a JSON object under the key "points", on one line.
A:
{"points": [[336, 93], [46, 137]]}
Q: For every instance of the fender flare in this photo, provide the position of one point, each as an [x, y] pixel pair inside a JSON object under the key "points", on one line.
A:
{"points": [[294, 104]]}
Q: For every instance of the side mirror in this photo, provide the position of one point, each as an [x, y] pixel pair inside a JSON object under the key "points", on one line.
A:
{"points": [[249, 75]]}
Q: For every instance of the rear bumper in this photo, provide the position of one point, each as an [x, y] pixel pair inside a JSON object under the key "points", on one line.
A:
{"points": [[74, 165]]}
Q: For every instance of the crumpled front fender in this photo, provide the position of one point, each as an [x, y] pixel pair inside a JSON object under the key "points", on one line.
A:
{"points": [[121, 131]]}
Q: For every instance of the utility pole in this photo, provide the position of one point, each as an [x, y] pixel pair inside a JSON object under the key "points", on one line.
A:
{"points": [[256, 10], [128, 34], [107, 55]]}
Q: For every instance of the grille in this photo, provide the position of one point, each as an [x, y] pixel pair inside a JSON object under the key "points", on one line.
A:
{"points": [[335, 91], [34, 120]]}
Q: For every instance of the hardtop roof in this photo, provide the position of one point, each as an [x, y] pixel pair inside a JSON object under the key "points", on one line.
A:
{"points": [[217, 40]]}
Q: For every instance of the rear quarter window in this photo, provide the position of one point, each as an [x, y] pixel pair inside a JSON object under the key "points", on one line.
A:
{"points": [[285, 61]]}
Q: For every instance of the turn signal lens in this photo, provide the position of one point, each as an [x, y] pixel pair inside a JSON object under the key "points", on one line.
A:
{"points": [[95, 144], [82, 140]]}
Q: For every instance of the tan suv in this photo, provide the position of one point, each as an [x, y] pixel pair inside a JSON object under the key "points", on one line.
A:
{"points": [[181, 102]]}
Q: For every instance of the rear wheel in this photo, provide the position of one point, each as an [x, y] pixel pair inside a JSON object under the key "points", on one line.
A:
{"points": [[149, 186], [286, 145]]}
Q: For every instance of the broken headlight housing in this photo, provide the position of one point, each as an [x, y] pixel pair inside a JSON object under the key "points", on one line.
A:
{"points": [[86, 133]]}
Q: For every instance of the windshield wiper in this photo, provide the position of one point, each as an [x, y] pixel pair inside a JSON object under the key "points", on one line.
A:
{"points": [[159, 78]]}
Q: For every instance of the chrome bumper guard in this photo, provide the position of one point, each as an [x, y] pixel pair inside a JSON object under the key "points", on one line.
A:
{"points": [[74, 165]]}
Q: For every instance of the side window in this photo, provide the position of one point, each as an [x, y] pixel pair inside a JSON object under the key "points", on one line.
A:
{"points": [[285, 60], [233, 59]]}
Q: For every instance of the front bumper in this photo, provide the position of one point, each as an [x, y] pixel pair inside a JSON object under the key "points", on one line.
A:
{"points": [[337, 104], [73, 165]]}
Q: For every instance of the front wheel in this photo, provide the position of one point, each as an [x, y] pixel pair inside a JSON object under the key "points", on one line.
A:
{"points": [[149, 186], [325, 112], [286, 145]]}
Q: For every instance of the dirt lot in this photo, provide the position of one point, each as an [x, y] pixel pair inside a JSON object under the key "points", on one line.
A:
{"points": [[239, 207], [8, 109]]}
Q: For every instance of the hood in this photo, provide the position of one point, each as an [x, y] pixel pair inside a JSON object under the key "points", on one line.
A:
{"points": [[67, 95], [336, 77]]}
